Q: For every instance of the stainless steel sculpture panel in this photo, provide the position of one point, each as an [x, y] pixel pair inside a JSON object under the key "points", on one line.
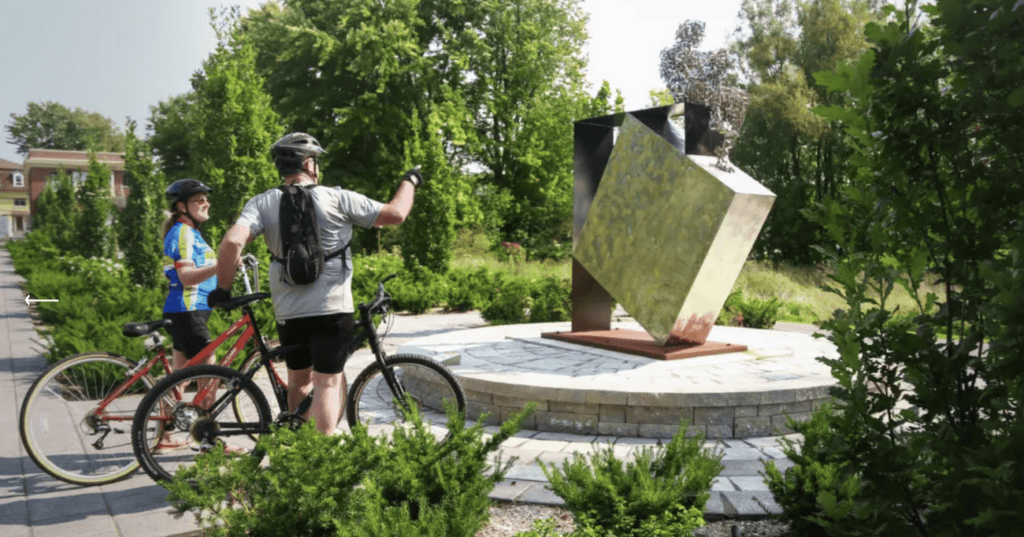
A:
{"points": [[664, 233]]}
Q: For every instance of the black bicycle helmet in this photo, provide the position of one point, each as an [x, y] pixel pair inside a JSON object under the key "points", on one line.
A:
{"points": [[183, 189], [293, 149]]}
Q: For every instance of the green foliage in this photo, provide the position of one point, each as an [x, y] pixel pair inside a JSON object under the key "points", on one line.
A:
{"points": [[57, 213], [749, 312], [171, 132], [819, 496], [502, 297], [231, 128], [511, 302], [661, 492], [428, 233], [798, 155], [417, 290], [518, 299], [550, 301], [502, 80], [139, 234], [541, 528], [469, 289], [51, 125], [927, 425], [94, 237], [94, 300], [349, 484]]}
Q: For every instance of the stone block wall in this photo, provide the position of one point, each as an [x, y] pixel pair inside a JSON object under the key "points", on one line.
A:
{"points": [[726, 420]]}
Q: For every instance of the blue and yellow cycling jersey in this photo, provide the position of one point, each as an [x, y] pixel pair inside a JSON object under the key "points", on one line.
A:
{"points": [[184, 244]]}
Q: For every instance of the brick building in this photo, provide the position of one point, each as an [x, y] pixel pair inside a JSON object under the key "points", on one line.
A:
{"points": [[21, 185]]}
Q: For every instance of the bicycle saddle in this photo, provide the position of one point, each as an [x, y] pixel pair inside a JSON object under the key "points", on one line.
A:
{"points": [[240, 301], [144, 328]]}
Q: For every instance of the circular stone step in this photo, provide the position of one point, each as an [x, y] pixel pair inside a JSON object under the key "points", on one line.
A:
{"points": [[586, 390]]}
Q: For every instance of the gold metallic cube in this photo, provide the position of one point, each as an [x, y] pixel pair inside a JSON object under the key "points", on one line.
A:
{"points": [[667, 233]]}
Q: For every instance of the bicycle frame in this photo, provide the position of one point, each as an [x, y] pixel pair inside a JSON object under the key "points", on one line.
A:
{"points": [[143, 367], [368, 331]]}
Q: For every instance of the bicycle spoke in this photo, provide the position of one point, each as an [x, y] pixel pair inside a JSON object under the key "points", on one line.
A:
{"points": [[190, 425], [64, 430], [430, 386]]}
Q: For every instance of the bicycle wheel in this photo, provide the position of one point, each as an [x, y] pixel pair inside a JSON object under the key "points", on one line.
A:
{"points": [[430, 384], [64, 429], [172, 425]]}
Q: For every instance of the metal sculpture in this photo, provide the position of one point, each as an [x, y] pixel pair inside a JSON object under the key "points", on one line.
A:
{"points": [[657, 225], [698, 78]]}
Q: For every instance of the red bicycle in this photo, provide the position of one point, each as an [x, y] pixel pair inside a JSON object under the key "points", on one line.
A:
{"points": [[76, 418]]}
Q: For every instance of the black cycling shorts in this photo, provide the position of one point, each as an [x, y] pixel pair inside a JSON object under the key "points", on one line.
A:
{"points": [[189, 331], [328, 336]]}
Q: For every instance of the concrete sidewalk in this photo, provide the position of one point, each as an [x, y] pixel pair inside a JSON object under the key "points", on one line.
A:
{"points": [[34, 504]]}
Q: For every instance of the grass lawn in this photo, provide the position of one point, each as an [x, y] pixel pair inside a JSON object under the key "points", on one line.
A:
{"points": [[798, 287]]}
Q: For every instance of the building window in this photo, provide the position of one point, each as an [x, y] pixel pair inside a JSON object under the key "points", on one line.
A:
{"points": [[78, 178], [20, 202], [19, 179]]}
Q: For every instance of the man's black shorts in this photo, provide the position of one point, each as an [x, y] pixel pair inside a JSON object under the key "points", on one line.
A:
{"points": [[189, 331], [328, 337]]}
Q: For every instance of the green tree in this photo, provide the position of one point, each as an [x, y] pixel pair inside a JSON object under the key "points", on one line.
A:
{"points": [[661, 97], [171, 134], [57, 211], [51, 125], [139, 224], [798, 155], [232, 128], [351, 73], [504, 78], [527, 91], [928, 419], [94, 238], [428, 234]]}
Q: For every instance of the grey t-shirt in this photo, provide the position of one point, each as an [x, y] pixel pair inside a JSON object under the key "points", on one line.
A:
{"points": [[337, 211]]}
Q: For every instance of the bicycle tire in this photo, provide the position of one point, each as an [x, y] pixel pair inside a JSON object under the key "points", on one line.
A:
{"points": [[168, 423], [371, 402], [247, 412], [56, 419]]}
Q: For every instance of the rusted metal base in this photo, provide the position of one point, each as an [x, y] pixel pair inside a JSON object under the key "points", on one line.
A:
{"points": [[641, 343]]}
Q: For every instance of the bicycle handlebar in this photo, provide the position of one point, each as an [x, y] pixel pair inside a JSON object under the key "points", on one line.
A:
{"points": [[381, 297]]}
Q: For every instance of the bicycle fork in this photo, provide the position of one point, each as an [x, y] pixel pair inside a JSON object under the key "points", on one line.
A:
{"points": [[389, 374]]}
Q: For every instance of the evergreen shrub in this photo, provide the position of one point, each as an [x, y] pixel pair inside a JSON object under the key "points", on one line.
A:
{"points": [[819, 487], [350, 484], [751, 313], [512, 300], [469, 289], [661, 492]]}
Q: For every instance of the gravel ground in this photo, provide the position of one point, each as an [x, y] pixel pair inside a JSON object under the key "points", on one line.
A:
{"points": [[510, 518]]}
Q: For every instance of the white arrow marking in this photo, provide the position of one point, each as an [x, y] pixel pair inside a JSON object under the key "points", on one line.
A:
{"points": [[29, 299]]}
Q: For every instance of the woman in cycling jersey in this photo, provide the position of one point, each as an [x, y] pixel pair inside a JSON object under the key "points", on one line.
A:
{"points": [[190, 265]]}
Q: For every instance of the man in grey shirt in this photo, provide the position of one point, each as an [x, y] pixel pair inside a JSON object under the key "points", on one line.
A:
{"points": [[319, 314]]}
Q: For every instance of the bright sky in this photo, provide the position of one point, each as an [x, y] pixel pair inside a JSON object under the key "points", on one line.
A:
{"points": [[119, 57]]}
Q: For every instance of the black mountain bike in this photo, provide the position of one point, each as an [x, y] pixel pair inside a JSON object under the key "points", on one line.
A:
{"points": [[180, 411]]}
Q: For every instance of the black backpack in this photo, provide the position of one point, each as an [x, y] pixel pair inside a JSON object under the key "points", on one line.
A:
{"points": [[304, 257]]}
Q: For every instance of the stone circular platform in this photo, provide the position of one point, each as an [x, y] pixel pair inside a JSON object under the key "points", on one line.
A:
{"points": [[585, 390]]}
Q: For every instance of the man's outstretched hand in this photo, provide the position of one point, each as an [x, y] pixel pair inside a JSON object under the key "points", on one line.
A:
{"points": [[414, 176]]}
